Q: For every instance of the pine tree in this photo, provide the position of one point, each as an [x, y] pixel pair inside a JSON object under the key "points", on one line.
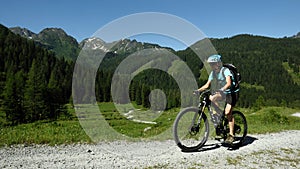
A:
{"points": [[13, 98], [138, 94], [10, 99], [145, 96], [35, 94], [55, 94]]}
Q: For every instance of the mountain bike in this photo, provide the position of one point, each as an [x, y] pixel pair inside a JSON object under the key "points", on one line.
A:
{"points": [[191, 126]]}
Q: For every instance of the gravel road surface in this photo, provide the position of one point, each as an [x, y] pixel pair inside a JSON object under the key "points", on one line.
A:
{"points": [[274, 150]]}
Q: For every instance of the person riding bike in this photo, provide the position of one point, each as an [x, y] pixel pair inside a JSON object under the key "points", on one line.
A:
{"points": [[222, 84]]}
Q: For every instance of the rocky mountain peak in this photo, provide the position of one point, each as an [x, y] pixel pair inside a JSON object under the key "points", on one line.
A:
{"points": [[23, 32], [93, 43]]}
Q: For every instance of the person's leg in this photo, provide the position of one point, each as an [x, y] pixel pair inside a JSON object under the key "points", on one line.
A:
{"points": [[215, 98], [230, 103], [216, 109], [228, 113]]}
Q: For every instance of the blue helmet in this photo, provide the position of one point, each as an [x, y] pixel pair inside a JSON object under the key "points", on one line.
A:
{"points": [[214, 58]]}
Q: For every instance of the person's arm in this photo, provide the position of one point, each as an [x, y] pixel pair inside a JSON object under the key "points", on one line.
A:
{"points": [[205, 86]]}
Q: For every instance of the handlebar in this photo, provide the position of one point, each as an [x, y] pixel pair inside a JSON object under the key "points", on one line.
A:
{"points": [[203, 95], [198, 93]]}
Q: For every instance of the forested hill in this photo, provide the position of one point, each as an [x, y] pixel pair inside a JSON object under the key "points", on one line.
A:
{"points": [[268, 65], [35, 82]]}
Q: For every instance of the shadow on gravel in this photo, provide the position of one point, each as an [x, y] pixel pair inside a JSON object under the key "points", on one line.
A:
{"points": [[206, 147], [209, 147], [248, 140]]}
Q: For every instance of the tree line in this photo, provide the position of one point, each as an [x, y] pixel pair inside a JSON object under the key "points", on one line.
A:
{"points": [[36, 85], [260, 61]]}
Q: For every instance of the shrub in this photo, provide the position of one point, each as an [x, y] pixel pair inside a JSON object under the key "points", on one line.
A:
{"points": [[273, 117]]}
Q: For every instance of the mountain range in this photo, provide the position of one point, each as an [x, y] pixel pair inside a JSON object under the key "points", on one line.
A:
{"points": [[253, 53], [67, 47], [34, 65]]}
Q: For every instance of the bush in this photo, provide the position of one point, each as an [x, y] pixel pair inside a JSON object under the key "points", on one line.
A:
{"points": [[273, 117]]}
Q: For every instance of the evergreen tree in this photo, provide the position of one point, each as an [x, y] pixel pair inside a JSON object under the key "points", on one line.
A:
{"points": [[55, 93], [13, 98], [35, 94], [145, 96], [138, 94]]}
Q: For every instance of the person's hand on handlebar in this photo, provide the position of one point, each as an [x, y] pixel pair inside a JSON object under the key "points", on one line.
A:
{"points": [[196, 92]]}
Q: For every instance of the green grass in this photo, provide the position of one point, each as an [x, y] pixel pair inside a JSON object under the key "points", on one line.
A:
{"points": [[271, 119], [134, 129], [44, 132], [63, 131]]}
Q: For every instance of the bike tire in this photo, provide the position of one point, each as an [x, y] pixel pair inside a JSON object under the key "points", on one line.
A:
{"points": [[240, 127], [184, 138]]}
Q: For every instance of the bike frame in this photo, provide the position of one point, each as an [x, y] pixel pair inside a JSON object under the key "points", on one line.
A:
{"points": [[206, 103]]}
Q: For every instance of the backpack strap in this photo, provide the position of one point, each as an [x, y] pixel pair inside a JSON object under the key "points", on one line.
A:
{"points": [[223, 70], [232, 82]]}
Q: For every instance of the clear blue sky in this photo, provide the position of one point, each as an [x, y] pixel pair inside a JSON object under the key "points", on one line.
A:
{"points": [[216, 18]]}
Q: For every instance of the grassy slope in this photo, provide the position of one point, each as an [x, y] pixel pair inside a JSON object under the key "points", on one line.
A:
{"points": [[269, 119], [272, 119]]}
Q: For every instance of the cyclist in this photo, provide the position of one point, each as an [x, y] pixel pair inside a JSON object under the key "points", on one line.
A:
{"points": [[222, 84]]}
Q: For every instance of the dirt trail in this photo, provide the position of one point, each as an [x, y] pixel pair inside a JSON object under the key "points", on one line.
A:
{"points": [[275, 150]]}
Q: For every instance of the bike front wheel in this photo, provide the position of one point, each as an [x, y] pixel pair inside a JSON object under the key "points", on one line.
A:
{"points": [[190, 129]]}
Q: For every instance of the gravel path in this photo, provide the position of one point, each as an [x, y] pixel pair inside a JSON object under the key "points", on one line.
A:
{"points": [[276, 150]]}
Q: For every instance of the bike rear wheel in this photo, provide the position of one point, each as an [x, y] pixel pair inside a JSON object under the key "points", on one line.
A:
{"points": [[240, 127], [190, 131]]}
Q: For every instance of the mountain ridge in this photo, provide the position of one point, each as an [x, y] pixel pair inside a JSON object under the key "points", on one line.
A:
{"points": [[54, 39], [259, 59], [66, 46]]}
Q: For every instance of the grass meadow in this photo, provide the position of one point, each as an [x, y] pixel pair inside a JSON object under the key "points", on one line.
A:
{"points": [[70, 130]]}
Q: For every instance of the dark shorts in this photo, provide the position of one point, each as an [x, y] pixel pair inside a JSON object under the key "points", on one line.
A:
{"points": [[232, 98]]}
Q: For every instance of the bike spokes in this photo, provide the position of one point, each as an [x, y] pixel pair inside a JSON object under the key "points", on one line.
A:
{"points": [[190, 131], [240, 127]]}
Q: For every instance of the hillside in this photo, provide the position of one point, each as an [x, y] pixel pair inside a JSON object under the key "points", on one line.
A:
{"points": [[260, 60], [34, 84], [269, 67], [53, 39]]}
